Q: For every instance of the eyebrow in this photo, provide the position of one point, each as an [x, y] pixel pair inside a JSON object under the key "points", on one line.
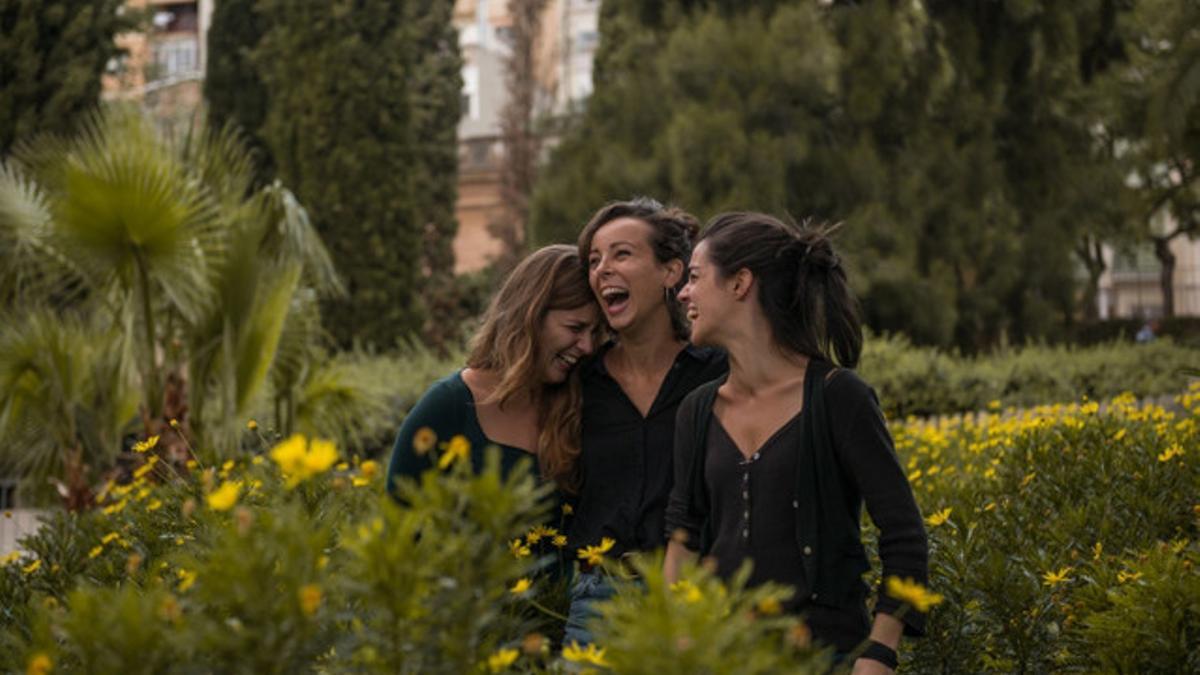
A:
{"points": [[615, 243]]}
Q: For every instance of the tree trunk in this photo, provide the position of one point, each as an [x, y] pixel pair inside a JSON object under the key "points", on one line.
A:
{"points": [[1162, 251], [1092, 253]]}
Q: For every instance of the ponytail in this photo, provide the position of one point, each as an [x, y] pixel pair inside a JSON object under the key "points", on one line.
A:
{"points": [[802, 285]]}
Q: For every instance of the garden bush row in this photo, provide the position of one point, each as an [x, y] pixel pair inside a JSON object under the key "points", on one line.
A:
{"points": [[1064, 539]]}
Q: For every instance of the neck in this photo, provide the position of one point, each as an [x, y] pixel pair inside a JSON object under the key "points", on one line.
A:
{"points": [[486, 381], [757, 363], [646, 347]]}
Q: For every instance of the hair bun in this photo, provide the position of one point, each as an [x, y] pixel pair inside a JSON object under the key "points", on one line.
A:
{"points": [[686, 221]]}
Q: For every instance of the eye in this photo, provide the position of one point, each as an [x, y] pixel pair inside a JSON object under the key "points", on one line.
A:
{"points": [[622, 253], [692, 276], [593, 261]]}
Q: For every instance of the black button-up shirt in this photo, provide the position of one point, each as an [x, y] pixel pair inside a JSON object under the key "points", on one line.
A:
{"points": [[626, 459]]}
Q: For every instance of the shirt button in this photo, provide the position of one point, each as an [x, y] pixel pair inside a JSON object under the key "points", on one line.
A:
{"points": [[746, 515], [746, 533], [795, 503], [807, 550], [755, 456], [813, 596], [745, 495]]}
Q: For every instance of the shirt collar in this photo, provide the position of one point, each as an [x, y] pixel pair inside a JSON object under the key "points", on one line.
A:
{"points": [[690, 351]]}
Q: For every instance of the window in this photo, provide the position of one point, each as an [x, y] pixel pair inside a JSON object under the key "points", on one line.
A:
{"points": [[175, 57], [180, 17]]}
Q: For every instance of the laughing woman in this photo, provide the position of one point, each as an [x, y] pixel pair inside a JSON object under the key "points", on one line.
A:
{"points": [[636, 253], [774, 462], [519, 391]]}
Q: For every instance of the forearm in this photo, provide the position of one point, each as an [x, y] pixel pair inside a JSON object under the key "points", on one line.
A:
{"points": [[887, 629], [677, 556]]}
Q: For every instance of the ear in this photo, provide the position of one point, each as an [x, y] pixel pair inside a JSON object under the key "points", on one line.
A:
{"points": [[743, 282], [674, 273]]}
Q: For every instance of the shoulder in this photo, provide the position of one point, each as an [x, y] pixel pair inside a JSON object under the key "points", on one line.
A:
{"points": [[700, 399], [844, 384], [447, 392]]}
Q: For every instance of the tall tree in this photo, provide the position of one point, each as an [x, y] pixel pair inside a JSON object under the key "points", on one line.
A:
{"points": [[234, 91], [52, 54], [340, 125], [436, 98]]}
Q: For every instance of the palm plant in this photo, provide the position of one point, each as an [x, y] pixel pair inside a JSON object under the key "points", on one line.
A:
{"points": [[67, 394]]}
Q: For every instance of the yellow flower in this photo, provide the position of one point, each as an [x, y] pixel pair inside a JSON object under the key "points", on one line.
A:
{"points": [[424, 440], [39, 664], [559, 540], [1097, 550], [154, 505], [576, 654], [310, 598], [1028, 479], [539, 533], [769, 606], [174, 423], [96, 550], [186, 579], [939, 518], [32, 567], [224, 497], [144, 469], [300, 459], [1171, 453], [518, 548], [567, 509], [690, 592], [252, 425], [523, 584], [502, 659], [1124, 576], [1119, 435], [369, 469], [148, 444], [10, 559], [993, 404], [913, 593], [109, 538], [1055, 578], [595, 554], [458, 448]]}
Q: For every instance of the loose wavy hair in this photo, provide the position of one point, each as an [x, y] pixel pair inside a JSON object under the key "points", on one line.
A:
{"points": [[507, 344]]}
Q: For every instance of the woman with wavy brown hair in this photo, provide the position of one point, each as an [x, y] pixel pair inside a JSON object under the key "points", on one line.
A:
{"points": [[519, 391]]}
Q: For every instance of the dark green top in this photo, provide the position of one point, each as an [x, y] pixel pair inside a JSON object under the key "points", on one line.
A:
{"points": [[447, 408]]}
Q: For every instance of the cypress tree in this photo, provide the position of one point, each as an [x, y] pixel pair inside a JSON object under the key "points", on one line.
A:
{"points": [[340, 127], [232, 86], [52, 56]]}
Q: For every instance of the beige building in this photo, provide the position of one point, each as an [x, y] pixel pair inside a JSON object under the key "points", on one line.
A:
{"points": [[164, 67], [565, 50]]}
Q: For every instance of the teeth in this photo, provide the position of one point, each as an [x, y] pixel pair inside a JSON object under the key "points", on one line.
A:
{"points": [[608, 293]]}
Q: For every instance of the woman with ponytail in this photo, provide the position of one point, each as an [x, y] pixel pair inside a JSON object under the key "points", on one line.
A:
{"points": [[774, 462]]}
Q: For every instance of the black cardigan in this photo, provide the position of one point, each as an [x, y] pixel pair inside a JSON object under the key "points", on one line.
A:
{"points": [[835, 472]]}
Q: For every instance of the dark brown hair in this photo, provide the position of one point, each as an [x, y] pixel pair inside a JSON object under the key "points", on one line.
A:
{"points": [[507, 344], [802, 286], [674, 231]]}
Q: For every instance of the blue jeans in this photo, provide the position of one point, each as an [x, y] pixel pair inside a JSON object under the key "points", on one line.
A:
{"points": [[587, 589]]}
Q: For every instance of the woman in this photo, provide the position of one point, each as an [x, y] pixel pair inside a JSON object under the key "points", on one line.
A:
{"points": [[636, 253], [774, 462], [518, 391]]}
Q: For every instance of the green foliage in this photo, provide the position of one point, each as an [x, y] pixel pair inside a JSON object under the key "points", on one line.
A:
{"points": [[52, 54], [702, 625], [1065, 537], [914, 380], [232, 87]]}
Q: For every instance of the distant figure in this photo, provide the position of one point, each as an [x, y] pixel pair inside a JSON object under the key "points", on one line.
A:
{"points": [[1147, 332]]}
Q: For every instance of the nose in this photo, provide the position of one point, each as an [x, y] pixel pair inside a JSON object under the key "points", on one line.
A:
{"points": [[685, 293], [586, 343]]}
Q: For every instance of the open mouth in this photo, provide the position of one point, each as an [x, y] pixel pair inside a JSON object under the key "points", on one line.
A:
{"points": [[566, 361], [614, 299]]}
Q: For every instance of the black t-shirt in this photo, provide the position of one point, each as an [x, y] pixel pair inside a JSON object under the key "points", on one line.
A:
{"points": [[627, 459]]}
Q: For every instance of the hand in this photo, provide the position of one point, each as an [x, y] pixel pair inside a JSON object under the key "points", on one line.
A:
{"points": [[870, 667]]}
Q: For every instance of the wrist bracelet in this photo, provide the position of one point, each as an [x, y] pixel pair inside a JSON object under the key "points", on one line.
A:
{"points": [[877, 651]]}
